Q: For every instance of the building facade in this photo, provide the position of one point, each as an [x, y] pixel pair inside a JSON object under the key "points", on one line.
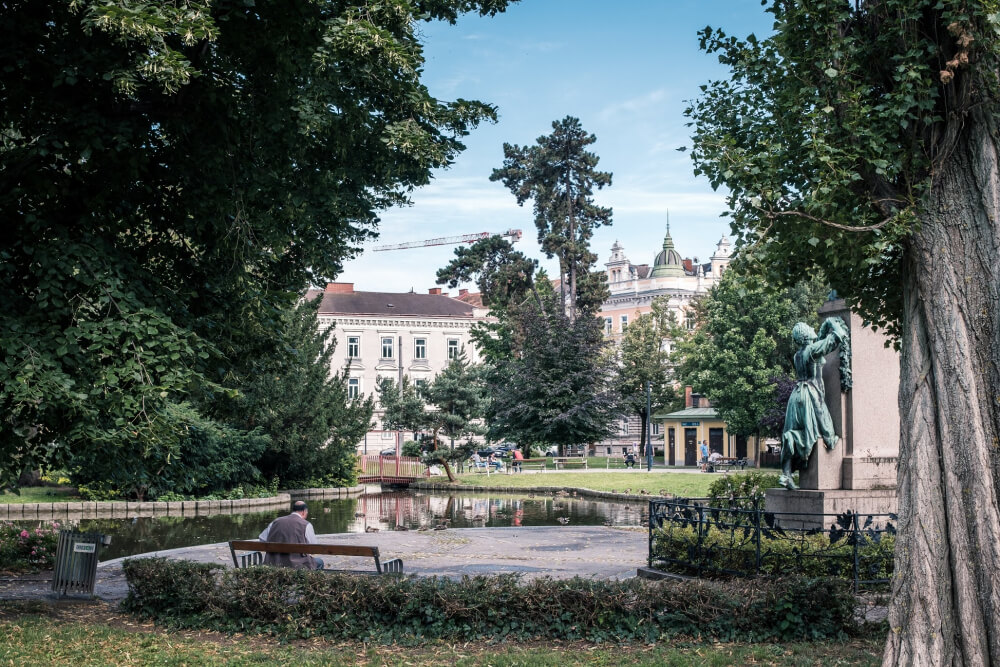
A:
{"points": [[388, 334], [672, 278]]}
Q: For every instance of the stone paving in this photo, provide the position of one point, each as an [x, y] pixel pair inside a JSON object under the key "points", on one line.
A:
{"points": [[556, 551]]}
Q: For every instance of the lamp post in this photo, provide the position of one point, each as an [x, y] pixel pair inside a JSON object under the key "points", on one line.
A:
{"points": [[649, 442]]}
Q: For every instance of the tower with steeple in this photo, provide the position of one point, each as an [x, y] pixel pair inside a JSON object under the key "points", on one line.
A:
{"points": [[668, 263]]}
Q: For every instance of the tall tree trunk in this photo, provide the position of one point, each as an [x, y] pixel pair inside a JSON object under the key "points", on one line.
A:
{"points": [[946, 588], [572, 250]]}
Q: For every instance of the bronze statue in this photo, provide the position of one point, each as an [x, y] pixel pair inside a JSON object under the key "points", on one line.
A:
{"points": [[807, 418]]}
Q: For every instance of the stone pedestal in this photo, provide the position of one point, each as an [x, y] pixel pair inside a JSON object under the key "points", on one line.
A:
{"points": [[859, 474]]}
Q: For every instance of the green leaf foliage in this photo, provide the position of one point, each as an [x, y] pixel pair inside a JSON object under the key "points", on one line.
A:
{"points": [[827, 133], [299, 603], [558, 385], [643, 358], [287, 390], [743, 345], [559, 176], [171, 174]]}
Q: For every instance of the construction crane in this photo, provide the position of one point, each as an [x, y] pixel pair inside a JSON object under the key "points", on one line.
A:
{"points": [[513, 234]]}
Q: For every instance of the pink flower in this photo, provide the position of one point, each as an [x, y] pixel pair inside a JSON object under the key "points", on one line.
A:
{"points": [[24, 533]]}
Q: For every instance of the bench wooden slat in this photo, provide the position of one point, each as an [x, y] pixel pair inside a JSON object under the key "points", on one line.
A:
{"points": [[258, 549], [315, 549]]}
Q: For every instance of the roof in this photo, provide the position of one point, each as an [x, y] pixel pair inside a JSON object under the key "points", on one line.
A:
{"points": [[689, 413], [472, 298], [393, 303]]}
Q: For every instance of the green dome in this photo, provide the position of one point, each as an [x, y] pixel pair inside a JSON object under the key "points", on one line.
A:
{"points": [[668, 262]]}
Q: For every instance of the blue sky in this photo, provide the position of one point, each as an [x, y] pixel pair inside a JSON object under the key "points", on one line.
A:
{"points": [[625, 69]]}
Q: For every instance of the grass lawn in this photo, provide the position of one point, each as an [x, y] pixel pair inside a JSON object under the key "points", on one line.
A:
{"points": [[41, 494], [94, 635], [679, 484]]}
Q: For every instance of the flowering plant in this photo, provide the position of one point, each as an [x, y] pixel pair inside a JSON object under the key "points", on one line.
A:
{"points": [[28, 548]]}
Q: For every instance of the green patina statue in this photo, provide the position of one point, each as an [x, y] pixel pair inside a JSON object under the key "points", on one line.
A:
{"points": [[807, 418]]}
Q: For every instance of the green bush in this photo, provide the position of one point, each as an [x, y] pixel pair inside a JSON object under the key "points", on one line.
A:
{"points": [[808, 555], [741, 491], [24, 550], [299, 603], [411, 448]]}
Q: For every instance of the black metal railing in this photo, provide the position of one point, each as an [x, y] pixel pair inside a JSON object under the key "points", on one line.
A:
{"points": [[695, 537]]}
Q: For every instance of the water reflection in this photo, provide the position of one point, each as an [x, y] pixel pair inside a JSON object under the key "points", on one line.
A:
{"points": [[391, 510]]}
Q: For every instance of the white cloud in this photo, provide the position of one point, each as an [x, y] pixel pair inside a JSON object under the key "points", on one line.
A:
{"points": [[634, 105]]}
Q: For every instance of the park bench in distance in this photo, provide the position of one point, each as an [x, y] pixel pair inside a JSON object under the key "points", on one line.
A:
{"points": [[257, 550], [569, 460], [539, 463]]}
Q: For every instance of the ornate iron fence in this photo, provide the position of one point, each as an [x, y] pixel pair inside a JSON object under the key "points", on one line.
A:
{"points": [[692, 537]]}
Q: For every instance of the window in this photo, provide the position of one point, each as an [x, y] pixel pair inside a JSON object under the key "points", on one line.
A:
{"points": [[624, 426], [689, 321], [624, 323], [607, 325], [353, 387], [453, 348], [656, 428], [419, 348], [387, 347], [354, 347]]}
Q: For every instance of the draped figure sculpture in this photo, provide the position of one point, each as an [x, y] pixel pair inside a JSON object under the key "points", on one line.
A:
{"points": [[807, 419]]}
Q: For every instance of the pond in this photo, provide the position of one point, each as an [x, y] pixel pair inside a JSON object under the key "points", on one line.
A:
{"points": [[388, 510]]}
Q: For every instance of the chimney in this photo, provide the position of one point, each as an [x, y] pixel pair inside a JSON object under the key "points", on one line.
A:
{"points": [[462, 292], [434, 290], [687, 397], [340, 288]]}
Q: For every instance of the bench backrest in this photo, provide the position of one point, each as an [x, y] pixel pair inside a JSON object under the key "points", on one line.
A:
{"points": [[314, 549]]}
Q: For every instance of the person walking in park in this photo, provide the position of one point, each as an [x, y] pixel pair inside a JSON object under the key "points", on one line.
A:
{"points": [[703, 451], [292, 529]]}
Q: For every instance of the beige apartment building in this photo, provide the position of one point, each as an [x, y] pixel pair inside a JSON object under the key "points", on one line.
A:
{"points": [[390, 334]]}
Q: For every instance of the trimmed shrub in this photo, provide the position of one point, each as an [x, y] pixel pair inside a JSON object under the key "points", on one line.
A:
{"points": [[742, 490], [26, 550], [300, 603], [806, 555]]}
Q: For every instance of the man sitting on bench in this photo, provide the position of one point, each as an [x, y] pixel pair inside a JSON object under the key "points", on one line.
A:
{"points": [[292, 529], [628, 457]]}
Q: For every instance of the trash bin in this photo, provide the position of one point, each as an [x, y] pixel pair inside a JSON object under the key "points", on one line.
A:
{"points": [[76, 561]]}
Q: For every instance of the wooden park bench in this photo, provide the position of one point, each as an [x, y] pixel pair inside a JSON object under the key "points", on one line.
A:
{"points": [[729, 464], [258, 549], [569, 460], [618, 462], [534, 463]]}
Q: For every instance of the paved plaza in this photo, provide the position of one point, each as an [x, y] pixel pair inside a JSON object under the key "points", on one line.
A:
{"points": [[560, 552]]}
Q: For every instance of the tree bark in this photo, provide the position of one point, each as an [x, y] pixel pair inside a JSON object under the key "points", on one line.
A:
{"points": [[946, 589]]}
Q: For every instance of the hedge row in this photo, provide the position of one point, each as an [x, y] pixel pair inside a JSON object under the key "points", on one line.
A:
{"points": [[682, 550], [298, 603]]}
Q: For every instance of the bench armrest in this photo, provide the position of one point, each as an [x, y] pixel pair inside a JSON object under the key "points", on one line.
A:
{"points": [[394, 566]]}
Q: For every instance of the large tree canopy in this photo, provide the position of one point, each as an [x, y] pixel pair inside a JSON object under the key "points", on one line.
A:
{"points": [[169, 172], [559, 175], [862, 138]]}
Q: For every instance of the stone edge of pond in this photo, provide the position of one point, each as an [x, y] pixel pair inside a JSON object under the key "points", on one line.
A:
{"points": [[332, 492], [127, 509], [578, 491]]}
